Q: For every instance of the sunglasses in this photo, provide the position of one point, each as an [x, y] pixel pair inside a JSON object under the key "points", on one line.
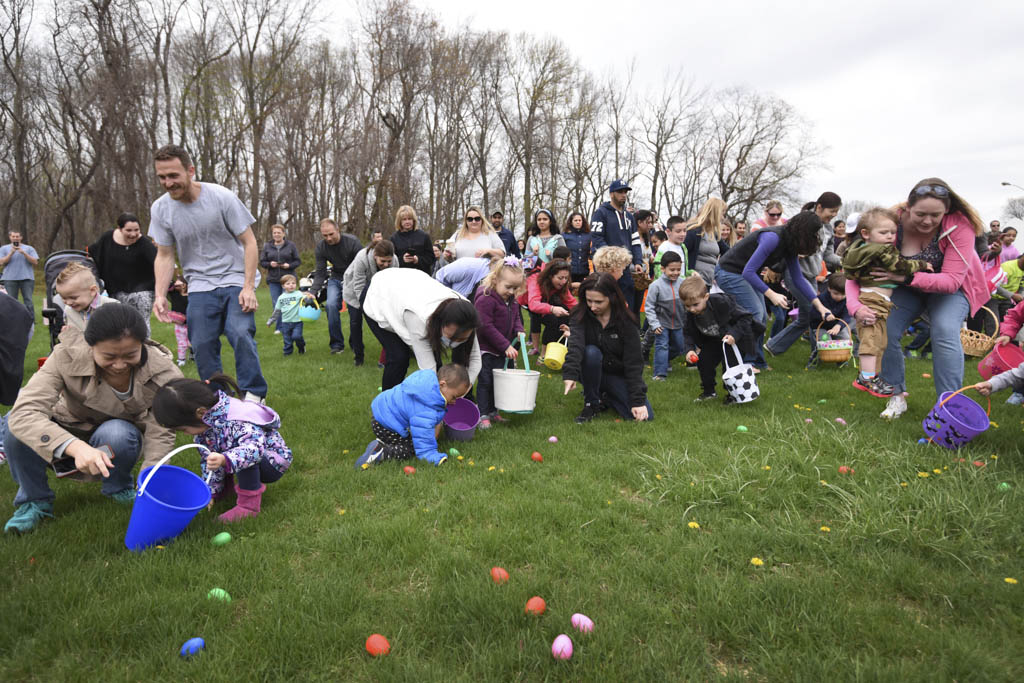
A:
{"points": [[474, 219], [937, 190], [775, 215]]}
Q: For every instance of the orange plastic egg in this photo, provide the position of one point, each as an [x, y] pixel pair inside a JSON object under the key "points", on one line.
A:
{"points": [[499, 575], [536, 457], [536, 606], [409, 469], [377, 645]]}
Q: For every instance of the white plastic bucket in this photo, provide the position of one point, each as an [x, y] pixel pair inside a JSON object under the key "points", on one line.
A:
{"points": [[515, 391]]}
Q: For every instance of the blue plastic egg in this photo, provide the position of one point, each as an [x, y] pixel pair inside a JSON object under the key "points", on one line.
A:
{"points": [[192, 646]]}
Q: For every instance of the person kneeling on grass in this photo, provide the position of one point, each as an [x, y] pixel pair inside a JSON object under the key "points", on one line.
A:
{"points": [[604, 353], [91, 398], [407, 418], [242, 438], [712, 319]]}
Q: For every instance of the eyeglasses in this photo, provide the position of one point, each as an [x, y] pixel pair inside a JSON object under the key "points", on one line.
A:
{"points": [[775, 215], [937, 190], [474, 219]]}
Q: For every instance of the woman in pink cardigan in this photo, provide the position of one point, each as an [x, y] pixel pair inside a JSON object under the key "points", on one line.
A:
{"points": [[937, 226]]}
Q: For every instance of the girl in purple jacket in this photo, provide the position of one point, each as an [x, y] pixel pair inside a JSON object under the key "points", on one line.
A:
{"points": [[241, 438], [500, 324]]}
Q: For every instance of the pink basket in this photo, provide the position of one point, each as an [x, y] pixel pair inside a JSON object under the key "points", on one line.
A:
{"points": [[1000, 359]]}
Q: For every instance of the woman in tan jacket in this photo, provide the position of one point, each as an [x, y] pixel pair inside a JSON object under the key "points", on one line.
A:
{"points": [[92, 392]]}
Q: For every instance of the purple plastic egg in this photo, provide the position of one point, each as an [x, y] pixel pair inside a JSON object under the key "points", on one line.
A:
{"points": [[582, 623], [562, 647]]}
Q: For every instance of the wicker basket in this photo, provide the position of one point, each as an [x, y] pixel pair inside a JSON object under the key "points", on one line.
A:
{"points": [[840, 352], [640, 281], [978, 344]]}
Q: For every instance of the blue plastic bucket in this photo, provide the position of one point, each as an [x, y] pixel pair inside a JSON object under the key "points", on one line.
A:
{"points": [[167, 500]]}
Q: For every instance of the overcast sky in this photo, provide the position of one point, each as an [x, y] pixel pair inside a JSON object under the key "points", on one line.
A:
{"points": [[898, 91]]}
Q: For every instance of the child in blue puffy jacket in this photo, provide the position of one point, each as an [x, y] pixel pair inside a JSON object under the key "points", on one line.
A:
{"points": [[407, 417]]}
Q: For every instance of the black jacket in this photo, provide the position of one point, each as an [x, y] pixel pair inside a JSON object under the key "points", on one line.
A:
{"points": [[340, 255], [124, 269], [286, 253], [13, 342], [732, 319], [619, 342], [417, 242]]}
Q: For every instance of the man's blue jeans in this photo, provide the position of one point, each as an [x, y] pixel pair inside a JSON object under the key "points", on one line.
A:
{"points": [[216, 312], [749, 300], [25, 287], [667, 345], [334, 314], [946, 312], [29, 470]]}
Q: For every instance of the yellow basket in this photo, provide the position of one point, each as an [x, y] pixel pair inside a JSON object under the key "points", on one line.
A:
{"points": [[554, 354], [978, 344]]}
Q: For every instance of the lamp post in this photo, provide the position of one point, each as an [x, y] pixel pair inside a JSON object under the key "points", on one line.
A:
{"points": [[1006, 184]]}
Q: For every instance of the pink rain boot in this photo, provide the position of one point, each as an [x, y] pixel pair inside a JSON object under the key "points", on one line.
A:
{"points": [[248, 504]]}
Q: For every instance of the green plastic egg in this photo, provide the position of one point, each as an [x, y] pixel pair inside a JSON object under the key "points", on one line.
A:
{"points": [[741, 428], [218, 594], [223, 538]]}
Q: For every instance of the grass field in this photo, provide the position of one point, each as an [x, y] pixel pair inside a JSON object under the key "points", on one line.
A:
{"points": [[895, 572]]}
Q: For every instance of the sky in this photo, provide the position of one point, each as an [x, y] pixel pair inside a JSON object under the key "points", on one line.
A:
{"points": [[896, 91]]}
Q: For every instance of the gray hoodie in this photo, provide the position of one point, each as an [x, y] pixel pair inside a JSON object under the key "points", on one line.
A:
{"points": [[664, 308]]}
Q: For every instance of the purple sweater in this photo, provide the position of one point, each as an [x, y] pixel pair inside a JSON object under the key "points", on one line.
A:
{"points": [[766, 244], [500, 322]]}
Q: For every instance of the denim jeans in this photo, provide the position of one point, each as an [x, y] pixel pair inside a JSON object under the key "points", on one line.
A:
{"points": [[778, 319], [781, 342], [485, 382], [216, 312], [275, 292], [945, 312], [397, 355], [749, 300], [667, 345], [333, 306], [355, 331], [25, 287], [29, 470], [292, 333], [597, 384]]}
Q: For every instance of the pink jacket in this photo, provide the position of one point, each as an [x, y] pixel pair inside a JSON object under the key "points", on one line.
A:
{"points": [[1012, 321], [961, 267], [534, 300]]}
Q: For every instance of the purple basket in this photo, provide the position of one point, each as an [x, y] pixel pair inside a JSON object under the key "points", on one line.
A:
{"points": [[461, 420], [954, 422]]}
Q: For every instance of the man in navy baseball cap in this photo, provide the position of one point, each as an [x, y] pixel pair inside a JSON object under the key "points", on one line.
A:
{"points": [[618, 186]]}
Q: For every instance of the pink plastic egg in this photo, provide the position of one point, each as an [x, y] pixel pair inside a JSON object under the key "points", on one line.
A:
{"points": [[553, 439], [562, 647], [582, 623]]}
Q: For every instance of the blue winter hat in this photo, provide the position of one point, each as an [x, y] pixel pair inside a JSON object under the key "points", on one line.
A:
{"points": [[618, 186]]}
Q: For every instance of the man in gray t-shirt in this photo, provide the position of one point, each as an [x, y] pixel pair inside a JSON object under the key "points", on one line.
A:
{"points": [[211, 230]]}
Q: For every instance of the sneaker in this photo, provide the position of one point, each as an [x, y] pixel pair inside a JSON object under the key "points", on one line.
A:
{"points": [[358, 362], [897, 406], [301, 346], [658, 378], [253, 398], [1016, 399], [28, 516], [498, 419], [380, 366], [881, 388], [768, 351], [705, 396], [335, 352], [123, 497], [181, 363], [863, 383], [485, 423], [372, 454], [277, 331], [729, 400], [588, 413]]}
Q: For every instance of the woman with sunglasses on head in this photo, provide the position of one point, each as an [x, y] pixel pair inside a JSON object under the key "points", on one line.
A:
{"points": [[476, 238], [936, 225]]}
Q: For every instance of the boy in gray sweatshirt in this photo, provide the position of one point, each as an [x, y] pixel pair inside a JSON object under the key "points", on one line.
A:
{"points": [[665, 314]]}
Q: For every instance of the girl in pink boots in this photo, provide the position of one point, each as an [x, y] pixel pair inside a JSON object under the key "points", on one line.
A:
{"points": [[242, 437]]}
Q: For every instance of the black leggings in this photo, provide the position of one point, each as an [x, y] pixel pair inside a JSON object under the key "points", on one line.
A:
{"points": [[396, 446], [250, 478], [397, 354]]}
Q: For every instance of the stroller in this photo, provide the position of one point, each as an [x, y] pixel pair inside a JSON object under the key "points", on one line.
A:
{"points": [[53, 307]]}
